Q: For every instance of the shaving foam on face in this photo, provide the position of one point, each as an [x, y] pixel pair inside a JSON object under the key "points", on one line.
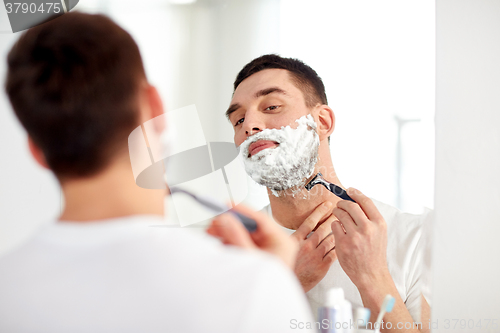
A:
{"points": [[289, 164]]}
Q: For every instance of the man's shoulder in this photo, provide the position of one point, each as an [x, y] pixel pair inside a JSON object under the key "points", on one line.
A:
{"points": [[404, 236], [404, 230], [396, 218], [157, 262]]}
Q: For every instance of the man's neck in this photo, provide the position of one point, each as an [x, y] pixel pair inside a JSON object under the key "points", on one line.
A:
{"points": [[290, 211], [110, 194]]}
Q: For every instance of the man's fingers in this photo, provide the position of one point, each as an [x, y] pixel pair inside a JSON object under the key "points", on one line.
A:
{"points": [[312, 220], [366, 204], [345, 219], [268, 233], [338, 231], [330, 256], [267, 237], [355, 212], [264, 223], [230, 231], [327, 244], [321, 232]]}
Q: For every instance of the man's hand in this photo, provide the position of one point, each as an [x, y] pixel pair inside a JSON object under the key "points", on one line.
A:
{"points": [[361, 240], [361, 246], [316, 253], [268, 237]]}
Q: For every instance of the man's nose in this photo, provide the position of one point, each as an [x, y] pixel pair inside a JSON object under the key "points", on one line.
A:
{"points": [[252, 131], [252, 124]]}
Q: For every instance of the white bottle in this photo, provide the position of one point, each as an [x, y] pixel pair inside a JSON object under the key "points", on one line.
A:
{"points": [[336, 315]]}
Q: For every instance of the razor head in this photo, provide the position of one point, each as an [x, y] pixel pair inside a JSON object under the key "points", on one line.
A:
{"points": [[316, 180], [337, 190]]}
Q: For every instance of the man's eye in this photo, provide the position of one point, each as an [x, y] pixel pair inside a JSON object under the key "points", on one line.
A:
{"points": [[272, 107], [239, 121]]}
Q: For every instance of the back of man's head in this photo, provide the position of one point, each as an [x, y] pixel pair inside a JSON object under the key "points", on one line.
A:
{"points": [[304, 77], [73, 83]]}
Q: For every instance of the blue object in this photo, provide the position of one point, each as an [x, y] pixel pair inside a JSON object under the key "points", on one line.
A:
{"points": [[390, 305]]}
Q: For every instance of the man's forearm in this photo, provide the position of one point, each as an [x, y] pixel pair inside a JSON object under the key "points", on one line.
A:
{"points": [[399, 319]]}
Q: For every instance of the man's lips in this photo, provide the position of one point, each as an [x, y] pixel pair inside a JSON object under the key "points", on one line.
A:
{"points": [[257, 146]]}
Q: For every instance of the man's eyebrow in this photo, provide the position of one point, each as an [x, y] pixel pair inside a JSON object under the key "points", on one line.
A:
{"points": [[259, 93], [270, 90]]}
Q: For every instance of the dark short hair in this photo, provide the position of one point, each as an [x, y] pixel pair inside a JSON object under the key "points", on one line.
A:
{"points": [[73, 83], [303, 76]]}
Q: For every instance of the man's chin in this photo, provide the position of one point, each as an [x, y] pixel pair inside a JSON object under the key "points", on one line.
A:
{"points": [[288, 192]]}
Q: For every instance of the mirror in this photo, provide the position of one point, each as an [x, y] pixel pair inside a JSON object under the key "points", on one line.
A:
{"points": [[377, 60]]}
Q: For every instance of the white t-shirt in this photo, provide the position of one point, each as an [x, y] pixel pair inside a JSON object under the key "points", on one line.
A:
{"points": [[404, 259], [125, 275]]}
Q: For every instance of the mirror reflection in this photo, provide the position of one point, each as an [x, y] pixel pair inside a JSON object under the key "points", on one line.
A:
{"points": [[320, 97]]}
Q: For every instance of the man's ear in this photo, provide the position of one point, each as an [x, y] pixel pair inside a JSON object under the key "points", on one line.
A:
{"points": [[153, 107], [155, 101], [37, 153], [326, 122]]}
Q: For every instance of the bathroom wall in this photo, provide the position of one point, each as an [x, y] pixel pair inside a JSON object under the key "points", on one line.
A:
{"points": [[466, 247]]}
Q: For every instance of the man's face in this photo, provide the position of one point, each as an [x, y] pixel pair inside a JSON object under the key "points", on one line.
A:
{"points": [[275, 132], [267, 99]]}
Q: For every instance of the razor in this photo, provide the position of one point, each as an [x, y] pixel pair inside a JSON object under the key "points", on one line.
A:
{"points": [[337, 190]]}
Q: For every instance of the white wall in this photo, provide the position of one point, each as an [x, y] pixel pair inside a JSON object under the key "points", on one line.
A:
{"points": [[377, 60], [466, 246]]}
